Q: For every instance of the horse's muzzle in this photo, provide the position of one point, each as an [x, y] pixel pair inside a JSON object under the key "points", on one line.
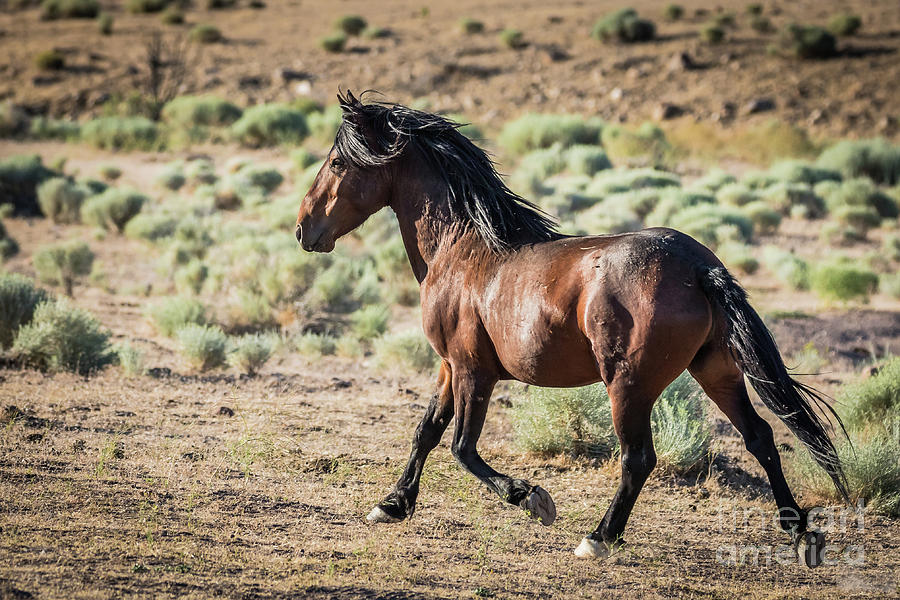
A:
{"points": [[314, 241]]}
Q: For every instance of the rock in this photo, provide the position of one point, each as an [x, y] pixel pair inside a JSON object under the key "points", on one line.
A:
{"points": [[887, 124], [726, 113], [285, 75], [667, 111], [758, 105], [553, 53], [250, 81], [617, 94], [225, 411], [681, 61], [816, 117]]}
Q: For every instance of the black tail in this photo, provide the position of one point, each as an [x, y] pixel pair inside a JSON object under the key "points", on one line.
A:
{"points": [[757, 355]]}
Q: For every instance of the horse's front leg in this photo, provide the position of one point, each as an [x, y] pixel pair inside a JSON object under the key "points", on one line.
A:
{"points": [[471, 393], [401, 502]]}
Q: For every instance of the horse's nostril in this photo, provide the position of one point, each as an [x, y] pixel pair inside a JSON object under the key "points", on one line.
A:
{"points": [[298, 233]]}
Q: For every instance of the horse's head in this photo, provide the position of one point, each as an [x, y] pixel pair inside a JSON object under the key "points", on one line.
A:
{"points": [[345, 192]]}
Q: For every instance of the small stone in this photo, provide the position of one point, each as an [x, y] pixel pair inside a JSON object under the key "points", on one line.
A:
{"points": [[667, 111], [617, 94], [816, 117], [225, 411], [681, 61], [759, 105], [285, 75]]}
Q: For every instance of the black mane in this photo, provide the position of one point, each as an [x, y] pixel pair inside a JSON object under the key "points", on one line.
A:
{"points": [[374, 133]]}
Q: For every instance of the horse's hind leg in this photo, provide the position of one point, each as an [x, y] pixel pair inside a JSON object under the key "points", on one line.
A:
{"points": [[631, 419], [723, 382], [401, 502], [472, 392]]}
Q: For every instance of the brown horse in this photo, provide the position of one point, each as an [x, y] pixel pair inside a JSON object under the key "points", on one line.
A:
{"points": [[505, 296]]}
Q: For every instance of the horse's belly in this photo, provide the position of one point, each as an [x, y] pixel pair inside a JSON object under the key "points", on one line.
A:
{"points": [[548, 357]]}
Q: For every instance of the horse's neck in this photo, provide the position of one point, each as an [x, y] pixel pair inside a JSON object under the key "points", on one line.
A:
{"points": [[426, 224]]}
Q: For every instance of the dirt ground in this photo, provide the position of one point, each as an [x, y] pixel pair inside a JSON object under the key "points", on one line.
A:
{"points": [[426, 56]]}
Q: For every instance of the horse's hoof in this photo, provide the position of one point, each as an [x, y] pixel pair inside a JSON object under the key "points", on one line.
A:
{"points": [[589, 548], [811, 548], [379, 516], [540, 505]]}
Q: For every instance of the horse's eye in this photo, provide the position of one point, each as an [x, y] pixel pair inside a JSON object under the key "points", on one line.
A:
{"points": [[337, 163]]}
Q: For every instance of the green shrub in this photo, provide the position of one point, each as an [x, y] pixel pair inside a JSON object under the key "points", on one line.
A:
{"points": [[45, 128], [798, 171], [334, 42], [844, 24], [408, 348], [351, 24], [471, 26], [703, 221], [843, 281], [765, 219], [8, 246], [265, 178], [172, 178], [145, 6], [583, 159], [113, 208], [105, 23], [808, 41], [673, 12], [623, 26], [712, 33], [624, 180], [736, 194], [324, 125], [61, 337], [534, 131], [121, 133], [200, 111], [189, 278], [251, 352], [871, 465], [673, 201], [205, 33], [512, 38], [348, 346], [172, 16], [786, 197], [270, 124], [69, 9], [761, 24], [891, 247], [648, 140], [18, 299], [13, 120], [130, 359], [60, 199], [876, 159], [174, 312], [737, 256], [150, 227], [303, 159], [333, 287], [203, 346], [861, 192], [314, 345], [859, 218], [371, 321], [576, 421], [875, 399], [110, 172], [714, 180], [50, 60], [20, 176], [64, 263], [681, 429]]}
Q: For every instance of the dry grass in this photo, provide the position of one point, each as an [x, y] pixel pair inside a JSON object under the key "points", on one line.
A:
{"points": [[147, 487]]}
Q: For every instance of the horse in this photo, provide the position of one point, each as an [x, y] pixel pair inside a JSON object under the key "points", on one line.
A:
{"points": [[505, 296]]}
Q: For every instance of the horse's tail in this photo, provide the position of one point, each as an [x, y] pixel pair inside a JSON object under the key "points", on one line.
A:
{"points": [[756, 353]]}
